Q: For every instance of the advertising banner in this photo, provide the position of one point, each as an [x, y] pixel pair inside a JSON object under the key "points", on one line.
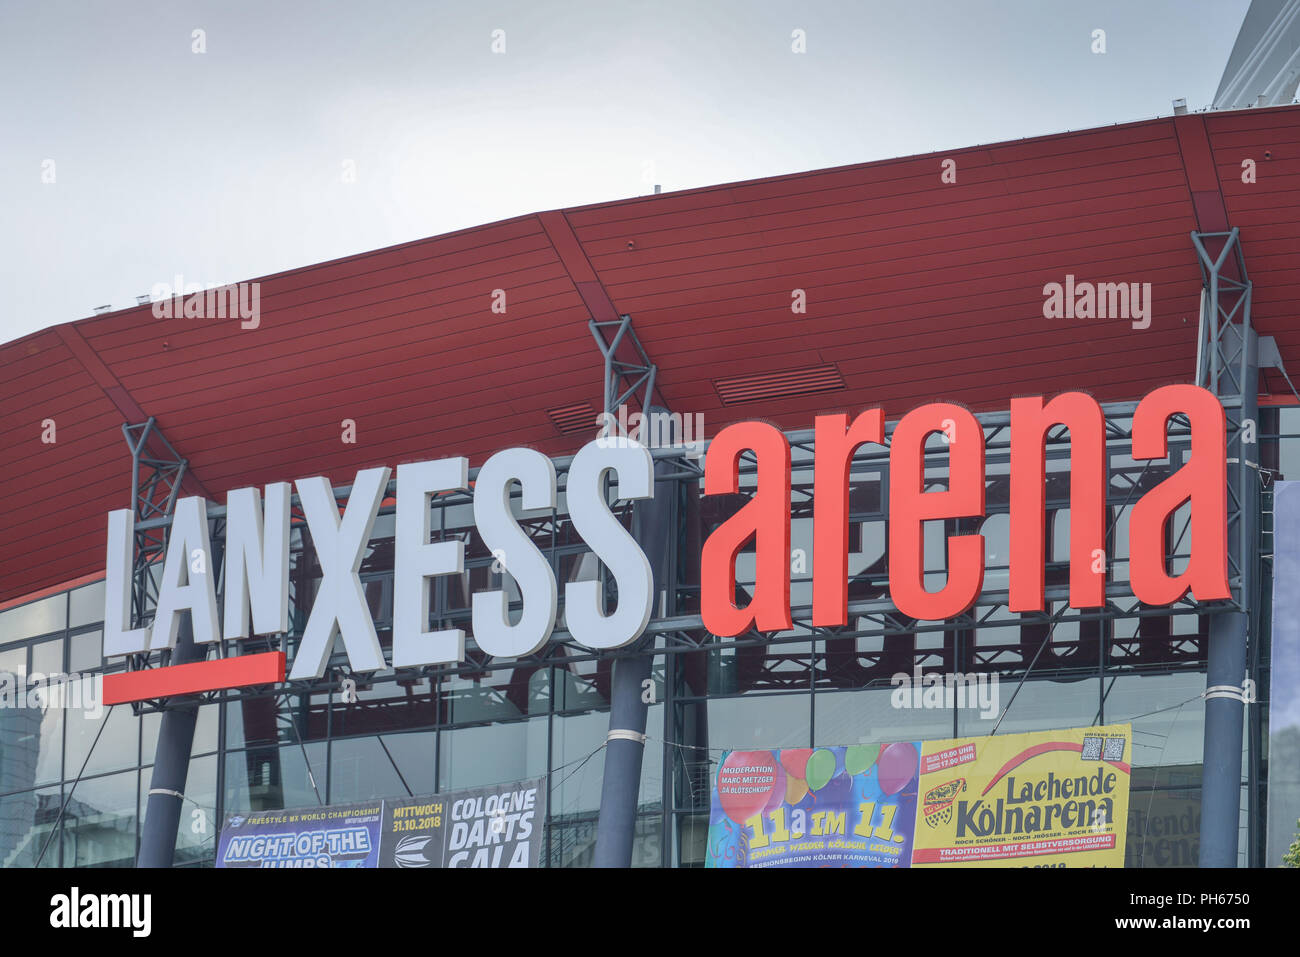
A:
{"points": [[337, 836], [815, 807], [1284, 682], [1043, 799], [499, 826]]}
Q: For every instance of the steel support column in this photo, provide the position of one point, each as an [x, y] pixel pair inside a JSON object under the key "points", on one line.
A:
{"points": [[162, 816], [156, 476], [651, 523], [1228, 365]]}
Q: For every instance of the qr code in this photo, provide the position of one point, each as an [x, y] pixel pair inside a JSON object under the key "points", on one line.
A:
{"points": [[1092, 747], [1114, 749]]}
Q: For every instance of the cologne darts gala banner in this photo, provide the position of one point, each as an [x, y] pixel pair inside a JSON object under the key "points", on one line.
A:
{"points": [[815, 807], [499, 826], [1046, 799]]}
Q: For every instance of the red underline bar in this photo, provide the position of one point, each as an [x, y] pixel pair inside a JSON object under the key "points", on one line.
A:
{"points": [[215, 675]]}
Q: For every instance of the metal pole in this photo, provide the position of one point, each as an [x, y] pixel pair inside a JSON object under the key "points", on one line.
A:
{"points": [[625, 745], [1226, 665], [171, 766]]}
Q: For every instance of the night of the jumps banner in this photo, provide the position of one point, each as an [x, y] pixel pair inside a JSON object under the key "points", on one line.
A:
{"points": [[495, 826], [1042, 799], [341, 835]]}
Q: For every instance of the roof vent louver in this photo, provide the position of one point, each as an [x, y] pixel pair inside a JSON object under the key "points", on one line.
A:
{"points": [[570, 419], [776, 385]]}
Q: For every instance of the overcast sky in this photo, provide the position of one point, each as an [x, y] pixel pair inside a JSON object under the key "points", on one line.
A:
{"points": [[231, 163]]}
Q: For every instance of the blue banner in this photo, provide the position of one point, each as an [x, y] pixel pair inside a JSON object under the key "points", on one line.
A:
{"points": [[335, 836]]}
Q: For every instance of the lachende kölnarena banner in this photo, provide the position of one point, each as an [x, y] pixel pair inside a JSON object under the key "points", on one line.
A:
{"points": [[1043, 799]]}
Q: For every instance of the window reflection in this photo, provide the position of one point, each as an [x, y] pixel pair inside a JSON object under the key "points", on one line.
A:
{"points": [[26, 822], [34, 618], [273, 778], [99, 824], [379, 766]]}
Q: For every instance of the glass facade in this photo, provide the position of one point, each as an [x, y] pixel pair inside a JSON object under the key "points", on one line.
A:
{"points": [[74, 783]]}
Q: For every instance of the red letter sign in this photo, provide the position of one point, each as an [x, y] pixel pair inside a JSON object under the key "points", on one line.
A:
{"points": [[910, 506], [1203, 481], [765, 518], [833, 447], [1030, 421]]}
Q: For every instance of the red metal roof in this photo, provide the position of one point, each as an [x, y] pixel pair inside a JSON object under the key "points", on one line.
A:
{"points": [[916, 289]]}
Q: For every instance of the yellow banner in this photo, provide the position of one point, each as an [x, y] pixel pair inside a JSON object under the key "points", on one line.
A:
{"points": [[1044, 799]]}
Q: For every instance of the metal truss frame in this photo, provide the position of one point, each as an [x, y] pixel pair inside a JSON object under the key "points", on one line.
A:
{"points": [[623, 378], [1227, 363]]}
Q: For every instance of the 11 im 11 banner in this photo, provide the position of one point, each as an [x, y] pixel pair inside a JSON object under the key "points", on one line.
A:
{"points": [[1043, 799]]}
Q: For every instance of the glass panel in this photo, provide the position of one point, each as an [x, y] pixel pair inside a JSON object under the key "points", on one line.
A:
{"points": [[118, 747], [34, 618], [13, 663], [47, 657], [871, 717], [99, 825], [266, 779], [692, 840], [1168, 717], [758, 721], [1039, 706], [407, 704], [493, 754], [272, 720], [31, 726], [25, 823], [647, 841], [496, 695], [86, 606], [86, 651], [360, 768], [1164, 824]]}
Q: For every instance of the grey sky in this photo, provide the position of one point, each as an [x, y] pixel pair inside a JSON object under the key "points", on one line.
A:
{"points": [[228, 165]]}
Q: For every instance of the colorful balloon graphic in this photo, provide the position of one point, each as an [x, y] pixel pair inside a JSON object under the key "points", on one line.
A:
{"points": [[896, 766], [795, 761], [860, 757], [778, 791], [821, 768], [795, 790], [746, 780]]}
